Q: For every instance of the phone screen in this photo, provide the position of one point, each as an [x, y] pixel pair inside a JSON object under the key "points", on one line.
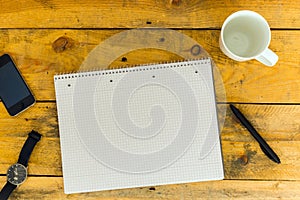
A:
{"points": [[14, 92], [12, 86]]}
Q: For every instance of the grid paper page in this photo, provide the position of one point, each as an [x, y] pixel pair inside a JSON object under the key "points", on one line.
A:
{"points": [[141, 126]]}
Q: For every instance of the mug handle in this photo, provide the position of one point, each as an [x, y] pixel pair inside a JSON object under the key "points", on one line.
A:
{"points": [[268, 58]]}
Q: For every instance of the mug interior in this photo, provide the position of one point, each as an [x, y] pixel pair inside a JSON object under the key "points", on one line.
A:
{"points": [[246, 34]]}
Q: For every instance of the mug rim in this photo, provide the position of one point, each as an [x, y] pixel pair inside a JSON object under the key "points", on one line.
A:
{"points": [[234, 15]]}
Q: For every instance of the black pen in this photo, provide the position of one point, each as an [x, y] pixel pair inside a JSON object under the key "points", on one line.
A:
{"points": [[262, 143]]}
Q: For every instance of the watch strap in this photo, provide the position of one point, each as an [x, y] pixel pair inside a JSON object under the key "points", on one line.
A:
{"points": [[7, 190], [33, 138]]}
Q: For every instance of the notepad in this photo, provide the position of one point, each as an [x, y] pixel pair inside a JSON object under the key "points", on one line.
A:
{"points": [[139, 126]]}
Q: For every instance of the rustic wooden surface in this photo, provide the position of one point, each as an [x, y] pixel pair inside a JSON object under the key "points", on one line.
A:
{"points": [[46, 37]]}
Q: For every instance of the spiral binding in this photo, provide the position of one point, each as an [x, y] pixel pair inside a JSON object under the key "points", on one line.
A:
{"points": [[131, 68]]}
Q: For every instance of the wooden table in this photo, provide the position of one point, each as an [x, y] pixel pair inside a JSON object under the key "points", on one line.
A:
{"points": [[50, 37]]}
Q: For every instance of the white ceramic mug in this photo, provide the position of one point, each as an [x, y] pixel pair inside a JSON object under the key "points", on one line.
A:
{"points": [[246, 35]]}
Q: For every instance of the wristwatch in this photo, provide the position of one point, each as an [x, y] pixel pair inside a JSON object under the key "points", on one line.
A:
{"points": [[17, 173]]}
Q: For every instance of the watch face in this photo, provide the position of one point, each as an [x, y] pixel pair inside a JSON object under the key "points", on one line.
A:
{"points": [[16, 174]]}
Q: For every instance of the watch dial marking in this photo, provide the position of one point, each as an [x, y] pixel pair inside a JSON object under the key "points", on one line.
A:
{"points": [[16, 174]]}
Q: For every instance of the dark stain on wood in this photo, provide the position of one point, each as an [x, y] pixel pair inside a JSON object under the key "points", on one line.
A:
{"points": [[175, 2], [62, 43], [250, 153], [239, 164], [46, 4]]}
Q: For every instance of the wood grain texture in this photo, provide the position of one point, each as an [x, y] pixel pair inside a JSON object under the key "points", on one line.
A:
{"points": [[274, 122], [141, 13], [42, 53], [243, 158], [52, 188], [46, 37]]}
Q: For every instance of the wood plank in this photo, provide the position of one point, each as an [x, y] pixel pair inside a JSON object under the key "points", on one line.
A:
{"points": [[42, 53], [52, 188], [243, 158], [41, 117], [142, 13], [274, 122], [45, 159]]}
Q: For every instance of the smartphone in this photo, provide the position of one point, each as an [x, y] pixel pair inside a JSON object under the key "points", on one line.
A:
{"points": [[14, 92]]}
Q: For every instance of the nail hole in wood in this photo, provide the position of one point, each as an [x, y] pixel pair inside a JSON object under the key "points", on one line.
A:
{"points": [[124, 59]]}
